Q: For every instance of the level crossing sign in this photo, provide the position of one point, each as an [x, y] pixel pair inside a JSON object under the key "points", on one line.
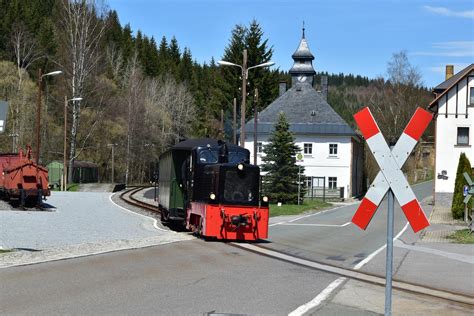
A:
{"points": [[390, 175]]}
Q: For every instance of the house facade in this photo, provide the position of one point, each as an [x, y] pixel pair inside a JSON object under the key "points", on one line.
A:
{"points": [[332, 153], [453, 106]]}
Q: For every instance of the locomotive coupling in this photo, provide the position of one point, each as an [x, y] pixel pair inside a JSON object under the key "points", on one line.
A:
{"points": [[239, 220]]}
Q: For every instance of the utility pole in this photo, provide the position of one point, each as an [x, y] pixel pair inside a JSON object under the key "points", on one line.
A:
{"points": [[222, 124], [244, 98], [255, 122], [64, 146], [113, 161], [38, 116], [234, 123]]}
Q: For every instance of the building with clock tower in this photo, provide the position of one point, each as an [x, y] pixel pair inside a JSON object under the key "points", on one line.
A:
{"points": [[332, 153]]}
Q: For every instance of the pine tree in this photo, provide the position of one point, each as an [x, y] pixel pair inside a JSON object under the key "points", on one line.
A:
{"points": [[281, 180], [457, 207], [258, 52]]}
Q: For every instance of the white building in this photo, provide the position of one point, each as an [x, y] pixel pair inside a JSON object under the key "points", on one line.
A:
{"points": [[332, 151], [454, 109]]}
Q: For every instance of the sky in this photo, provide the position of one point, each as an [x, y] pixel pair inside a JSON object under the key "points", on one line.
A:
{"points": [[349, 36]]}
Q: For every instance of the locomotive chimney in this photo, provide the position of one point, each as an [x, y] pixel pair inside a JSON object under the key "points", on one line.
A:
{"points": [[223, 152]]}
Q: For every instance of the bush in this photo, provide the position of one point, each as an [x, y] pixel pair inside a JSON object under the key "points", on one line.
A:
{"points": [[457, 207]]}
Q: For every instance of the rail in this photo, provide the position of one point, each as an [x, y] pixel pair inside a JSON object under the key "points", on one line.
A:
{"points": [[128, 197]]}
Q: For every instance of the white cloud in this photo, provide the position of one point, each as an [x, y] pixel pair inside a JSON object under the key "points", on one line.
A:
{"points": [[450, 49], [447, 12]]}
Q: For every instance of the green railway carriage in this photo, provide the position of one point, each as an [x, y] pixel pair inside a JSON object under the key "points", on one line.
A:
{"points": [[171, 193]]}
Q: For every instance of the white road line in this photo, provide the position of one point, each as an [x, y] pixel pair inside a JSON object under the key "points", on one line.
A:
{"points": [[318, 299], [155, 222], [334, 285], [376, 252], [317, 225], [279, 223]]}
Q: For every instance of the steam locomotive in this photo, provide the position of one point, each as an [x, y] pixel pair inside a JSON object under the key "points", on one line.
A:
{"points": [[210, 187]]}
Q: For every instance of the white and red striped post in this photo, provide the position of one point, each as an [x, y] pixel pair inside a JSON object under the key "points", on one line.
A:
{"points": [[391, 179]]}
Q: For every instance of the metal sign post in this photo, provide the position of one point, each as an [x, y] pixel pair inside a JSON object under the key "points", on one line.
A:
{"points": [[299, 158], [391, 179]]}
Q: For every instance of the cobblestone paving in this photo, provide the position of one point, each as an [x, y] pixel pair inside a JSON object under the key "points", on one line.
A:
{"points": [[442, 226], [17, 258], [75, 218]]}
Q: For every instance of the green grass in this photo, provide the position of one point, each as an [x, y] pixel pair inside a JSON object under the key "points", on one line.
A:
{"points": [[72, 187], [4, 250], [462, 237], [292, 209]]}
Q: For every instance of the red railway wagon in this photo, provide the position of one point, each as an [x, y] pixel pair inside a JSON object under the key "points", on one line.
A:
{"points": [[23, 179]]}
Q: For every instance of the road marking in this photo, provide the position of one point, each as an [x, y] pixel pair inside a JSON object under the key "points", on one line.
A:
{"points": [[334, 285], [376, 252], [322, 212], [318, 225], [357, 275], [318, 299], [155, 222]]}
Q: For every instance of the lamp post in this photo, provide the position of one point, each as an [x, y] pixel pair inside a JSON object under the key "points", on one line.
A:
{"points": [[245, 73], [38, 109], [64, 184]]}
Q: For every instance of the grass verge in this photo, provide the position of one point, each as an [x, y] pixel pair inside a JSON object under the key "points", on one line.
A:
{"points": [[4, 250], [292, 209], [462, 237]]}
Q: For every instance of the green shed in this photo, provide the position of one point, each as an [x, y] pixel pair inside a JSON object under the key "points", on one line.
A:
{"points": [[55, 172]]}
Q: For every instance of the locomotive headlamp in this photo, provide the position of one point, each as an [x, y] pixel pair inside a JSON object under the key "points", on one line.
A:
{"points": [[240, 167], [265, 199], [212, 196]]}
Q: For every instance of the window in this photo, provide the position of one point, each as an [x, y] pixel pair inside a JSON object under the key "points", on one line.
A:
{"points": [[471, 89], [332, 149], [259, 147], [463, 136], [308, 149], [332, 182]]}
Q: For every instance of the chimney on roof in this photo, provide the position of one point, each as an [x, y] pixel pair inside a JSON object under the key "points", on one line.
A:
{"points": [[324, 87], [282, 88], [449, 71]]}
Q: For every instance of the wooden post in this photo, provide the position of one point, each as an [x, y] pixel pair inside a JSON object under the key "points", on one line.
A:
{"points": [[234, 123], [255, 122], [64, 146]]}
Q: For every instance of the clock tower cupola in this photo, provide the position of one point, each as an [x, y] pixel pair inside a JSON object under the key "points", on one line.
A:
{"points": [[302, 70]]}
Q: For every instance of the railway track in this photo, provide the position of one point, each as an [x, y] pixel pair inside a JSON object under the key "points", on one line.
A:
{"points": [[462, 298], [128, 197]]}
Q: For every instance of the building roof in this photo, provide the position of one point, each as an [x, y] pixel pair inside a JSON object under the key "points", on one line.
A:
{"points": [[303, 52], [454, 79], [445, 86], [306, 111]]}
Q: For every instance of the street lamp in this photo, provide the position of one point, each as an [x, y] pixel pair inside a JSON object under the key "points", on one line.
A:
{"points": [[245, 73], [66, 100], [38, 109]]}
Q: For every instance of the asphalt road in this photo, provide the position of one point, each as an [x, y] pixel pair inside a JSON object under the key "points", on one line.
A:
{"points": [[184, 278], [329, 237]]}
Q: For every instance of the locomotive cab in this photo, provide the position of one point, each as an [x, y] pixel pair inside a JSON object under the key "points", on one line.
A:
{"points": [[234, 184]]}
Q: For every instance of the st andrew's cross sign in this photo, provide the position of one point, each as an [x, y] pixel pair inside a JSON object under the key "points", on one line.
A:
{"points": [[390, 175]]}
